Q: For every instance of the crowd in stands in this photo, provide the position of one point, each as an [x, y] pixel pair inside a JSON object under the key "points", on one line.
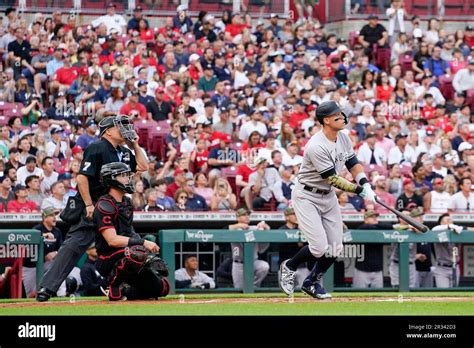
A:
{"points": [[234, 101]]}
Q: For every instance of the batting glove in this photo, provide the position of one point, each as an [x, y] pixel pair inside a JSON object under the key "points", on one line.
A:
{"points": [[368, 193]]}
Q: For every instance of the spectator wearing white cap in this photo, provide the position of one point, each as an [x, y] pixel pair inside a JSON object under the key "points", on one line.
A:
{"points": [[111, 20], [381, 190], [182, 21], [58, 147]]}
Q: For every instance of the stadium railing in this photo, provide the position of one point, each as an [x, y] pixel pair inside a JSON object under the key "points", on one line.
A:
{"points": [[168, 238]]}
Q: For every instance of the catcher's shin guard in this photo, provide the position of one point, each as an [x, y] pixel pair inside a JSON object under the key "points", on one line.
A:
{"points": [[132, 262]]}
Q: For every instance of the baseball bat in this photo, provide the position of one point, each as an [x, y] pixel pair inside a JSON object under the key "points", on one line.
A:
{"points": [[406, 218]]}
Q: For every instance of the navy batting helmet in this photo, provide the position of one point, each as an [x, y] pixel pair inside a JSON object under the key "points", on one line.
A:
{"points": [[109, 173], [329, 108]]}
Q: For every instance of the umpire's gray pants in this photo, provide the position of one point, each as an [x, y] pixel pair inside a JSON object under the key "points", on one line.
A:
{"points": [[424, 279], [29, 277], [319, 218], [363, 279], [79, 238], [444, 277], [394, 276], [260, 269]]}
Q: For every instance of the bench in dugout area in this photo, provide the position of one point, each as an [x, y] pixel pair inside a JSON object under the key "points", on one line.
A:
{"points": [[168, 238]]}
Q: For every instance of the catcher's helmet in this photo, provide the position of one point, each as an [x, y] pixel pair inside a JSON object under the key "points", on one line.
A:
{"points": [[122, 122], [327, 109], [109, 173]]}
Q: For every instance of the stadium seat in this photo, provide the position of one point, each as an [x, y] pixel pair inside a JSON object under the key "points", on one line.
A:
{"points": [[372, 167], [382, 58], [353, 38], [12, 285], [446, 86], [406, 62], [454, 7], [424, 7]]}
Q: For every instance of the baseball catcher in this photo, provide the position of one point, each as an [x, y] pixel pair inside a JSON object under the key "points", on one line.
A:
{"points": [[124, 258]]}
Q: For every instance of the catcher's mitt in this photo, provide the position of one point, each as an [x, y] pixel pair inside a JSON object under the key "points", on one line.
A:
{"points": [[155, 263]]}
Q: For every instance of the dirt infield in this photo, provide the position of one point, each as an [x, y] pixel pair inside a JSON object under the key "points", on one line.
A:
{"points": [[184, 301]]}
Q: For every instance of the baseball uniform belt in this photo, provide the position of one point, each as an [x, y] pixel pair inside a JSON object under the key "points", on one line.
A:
{"points": [[443, 264], [238, 261], [315, 190], [396, 261]]}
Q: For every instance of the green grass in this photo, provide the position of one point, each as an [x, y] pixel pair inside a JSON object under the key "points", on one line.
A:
{"points": [[165, 307]]}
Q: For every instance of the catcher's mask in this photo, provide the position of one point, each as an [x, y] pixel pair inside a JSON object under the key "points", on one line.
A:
{"points": [[122, 122], [110, 172]]}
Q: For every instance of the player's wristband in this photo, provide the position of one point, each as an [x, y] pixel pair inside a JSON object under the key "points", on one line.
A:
{"points": [[359, 190], [135, 241], [361, 179]]}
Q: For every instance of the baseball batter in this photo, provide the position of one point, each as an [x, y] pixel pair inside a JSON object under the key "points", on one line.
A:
{"points": [[315, 202]]}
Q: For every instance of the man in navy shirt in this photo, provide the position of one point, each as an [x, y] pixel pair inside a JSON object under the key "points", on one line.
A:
{"points": [[252, 63], [286, 73], [220, 69], [103, 93], [137, 16], [89, 136], [195, 202]]}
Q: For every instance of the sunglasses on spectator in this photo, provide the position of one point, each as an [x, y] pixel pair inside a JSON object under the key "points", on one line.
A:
{"points": [[183, 197]]}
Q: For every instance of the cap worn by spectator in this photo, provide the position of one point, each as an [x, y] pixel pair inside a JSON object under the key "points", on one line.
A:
{"points": [[460, 164], [65, 176], [438, 181], [76, 149], [400, 136], [108, 76], [111, 4], [193, 57], [142, 83], [373, 16], [138, 9], [56, 130], [274, 15], [25, 133], [369, 135], [407, 181], [242, 212], [49, 211], [159, 165], [377, 178], [370, 213], [289, 211], [288, 59], [208, 67], [292, 143], [430, 130], [19, 187], [170, 83], [3, 178], [91, 123], [179, 171]]}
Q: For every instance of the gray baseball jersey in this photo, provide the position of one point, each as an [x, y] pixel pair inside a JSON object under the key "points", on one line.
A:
{"points": [[322, 156]]}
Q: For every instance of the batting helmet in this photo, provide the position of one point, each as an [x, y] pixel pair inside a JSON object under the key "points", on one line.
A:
{"points": [[329, 108], [124, 124], [109, 173]]}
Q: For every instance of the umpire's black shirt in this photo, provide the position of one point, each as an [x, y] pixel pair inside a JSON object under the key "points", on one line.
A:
{"points": [[98, 154]]}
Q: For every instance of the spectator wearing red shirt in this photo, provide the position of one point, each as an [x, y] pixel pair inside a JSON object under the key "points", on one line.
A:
{"points": [[179, 181], [133, 108], [195, 68], [199, 156], [236, 27], [253, 143], [242, 182], [428, 110], [298, 116], [65, 76], [383, 90], [21, 204]]}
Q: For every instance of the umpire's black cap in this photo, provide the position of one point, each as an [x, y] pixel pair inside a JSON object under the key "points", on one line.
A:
{"points": [[327, 109]]}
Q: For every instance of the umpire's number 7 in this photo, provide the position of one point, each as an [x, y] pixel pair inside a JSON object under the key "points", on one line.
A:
{"points": [[86, 166]]}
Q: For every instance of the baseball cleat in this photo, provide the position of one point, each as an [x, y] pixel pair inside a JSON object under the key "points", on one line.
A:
{"points": [[287, 279], [44, 295], [315, 291]]}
